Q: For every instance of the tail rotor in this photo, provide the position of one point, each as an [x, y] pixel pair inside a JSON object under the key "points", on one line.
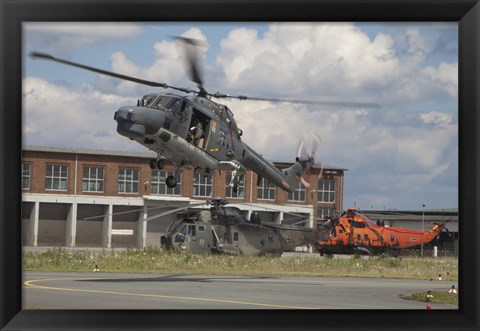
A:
{"points": [[308, 159]]}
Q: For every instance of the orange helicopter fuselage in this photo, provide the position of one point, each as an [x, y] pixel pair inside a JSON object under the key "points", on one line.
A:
{"points": [[356, 233]]}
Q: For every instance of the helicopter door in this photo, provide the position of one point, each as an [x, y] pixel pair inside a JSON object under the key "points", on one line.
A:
{"points": [[199, 238], [182, 113], [217, 139], [199, 129], [191, 238], [204, 240]]}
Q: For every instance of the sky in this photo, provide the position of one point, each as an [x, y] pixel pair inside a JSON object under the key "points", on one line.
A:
{"points": [[399, 156]]}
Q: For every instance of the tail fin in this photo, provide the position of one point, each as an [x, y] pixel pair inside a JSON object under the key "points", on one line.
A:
{"points": [[294, 174]]}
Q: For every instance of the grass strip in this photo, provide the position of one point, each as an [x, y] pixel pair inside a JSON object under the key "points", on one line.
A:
{"points": [[437, 297], [153, 260]]}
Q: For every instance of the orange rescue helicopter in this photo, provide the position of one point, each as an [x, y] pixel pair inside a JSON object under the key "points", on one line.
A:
{"points": [[355, 233]]}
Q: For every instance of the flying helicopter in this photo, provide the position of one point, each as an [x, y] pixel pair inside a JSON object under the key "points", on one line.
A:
{"points": [[224, 230], [355, 233], [193, 131]]}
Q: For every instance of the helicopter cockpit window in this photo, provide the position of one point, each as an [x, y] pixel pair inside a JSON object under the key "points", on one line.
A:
{"points": [[356, 224], [148, 100], [173, 104], [162, 102], [191, 230], [173, 227], [182, 228]]}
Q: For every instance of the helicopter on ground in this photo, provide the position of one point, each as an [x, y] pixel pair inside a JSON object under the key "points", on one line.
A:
{"points": [[224, 230], [193, 131], [354, 233]]}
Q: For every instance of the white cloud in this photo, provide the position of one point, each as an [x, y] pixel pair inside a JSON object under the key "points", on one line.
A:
{"points": [[169, 66], [436, 118], [60, 37], [446, 75], [332, 60], [57, 116]]}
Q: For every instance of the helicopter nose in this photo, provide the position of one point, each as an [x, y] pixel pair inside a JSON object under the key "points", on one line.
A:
{"points": [[136, 122], [324, 228], [166, 242]]}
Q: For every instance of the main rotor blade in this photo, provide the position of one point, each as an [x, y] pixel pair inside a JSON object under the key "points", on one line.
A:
{"points": [[45, 56], [302, 101], [171, 212], [189, 46], [274, 209], [134, 211], [192, 60]]}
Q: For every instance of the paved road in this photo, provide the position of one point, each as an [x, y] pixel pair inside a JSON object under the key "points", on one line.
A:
{"points": [[61, 290]]}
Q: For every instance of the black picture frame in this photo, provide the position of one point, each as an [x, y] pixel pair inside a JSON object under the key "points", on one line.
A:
{"points": [[13, 13]]}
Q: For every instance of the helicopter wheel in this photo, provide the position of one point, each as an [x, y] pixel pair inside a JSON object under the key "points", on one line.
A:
{"points": [[153, 164], [160, 164], [171, 182]]}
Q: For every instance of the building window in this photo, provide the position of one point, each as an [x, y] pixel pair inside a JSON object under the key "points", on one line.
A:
{"points": [[56, 177], [128, 180], [324, 213], [298, 195], [202, 185], [266, 190], [326, 190], [92, 180], [159, 186], [26, 176], [229, 189]]}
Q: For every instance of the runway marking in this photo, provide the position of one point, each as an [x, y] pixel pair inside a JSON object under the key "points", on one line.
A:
{"points": [[31, 285]]}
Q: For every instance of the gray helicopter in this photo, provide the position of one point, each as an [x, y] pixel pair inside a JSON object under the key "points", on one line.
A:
{"points": [[193, 131], [224, 230]]}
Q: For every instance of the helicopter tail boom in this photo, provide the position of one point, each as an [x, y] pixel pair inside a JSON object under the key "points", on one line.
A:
{"points": [[293, 175]]}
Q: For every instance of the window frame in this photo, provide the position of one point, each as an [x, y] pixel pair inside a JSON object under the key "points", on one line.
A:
{"points": [[159, 186], [93, 180], [324, 191], [52, 178], [125, 181], [269, 190], [202, 182], [296, 195], [26, 176], [330, 212]]}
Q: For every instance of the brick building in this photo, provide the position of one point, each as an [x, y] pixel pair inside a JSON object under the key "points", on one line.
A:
{"points": [[74, 197]]}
